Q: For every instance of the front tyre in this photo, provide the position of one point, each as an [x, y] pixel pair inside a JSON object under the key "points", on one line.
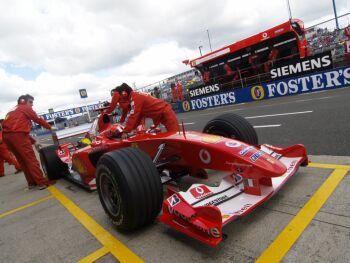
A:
{"points": [[52, 165], [129, 188], [232, 126]]}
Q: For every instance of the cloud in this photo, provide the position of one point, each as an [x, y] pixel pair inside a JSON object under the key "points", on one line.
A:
{"points": [[97, 44]]}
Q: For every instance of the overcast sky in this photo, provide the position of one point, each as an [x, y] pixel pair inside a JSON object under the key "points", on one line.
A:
{"points": [[52, 48]]}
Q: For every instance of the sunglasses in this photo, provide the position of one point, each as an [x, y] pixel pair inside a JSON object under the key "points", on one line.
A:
{"points": [[30, 101]]}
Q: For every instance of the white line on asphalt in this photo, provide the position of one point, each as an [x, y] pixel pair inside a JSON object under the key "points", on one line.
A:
{"points": [[279, 114], [322, 98], [267, 126], [189, 123]]}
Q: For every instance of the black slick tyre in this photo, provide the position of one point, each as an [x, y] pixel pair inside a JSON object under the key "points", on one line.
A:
{"points": [[129, 188], [232, 126], [52, 165]]}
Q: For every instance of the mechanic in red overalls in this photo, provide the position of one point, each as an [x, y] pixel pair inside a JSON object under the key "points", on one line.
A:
{"points": [[16, 128], [123, 104], [145, 106], [174, 92], [180, 90], [6, 156]]}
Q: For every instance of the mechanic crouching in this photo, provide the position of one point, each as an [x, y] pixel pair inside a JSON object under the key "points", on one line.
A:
{"points": [[16, 128], [144, 106]]}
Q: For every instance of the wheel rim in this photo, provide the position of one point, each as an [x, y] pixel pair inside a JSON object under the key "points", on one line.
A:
{"points": [[110, 194]]}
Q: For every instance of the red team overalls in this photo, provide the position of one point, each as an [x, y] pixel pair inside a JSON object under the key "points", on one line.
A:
{"points": [[6, 156], [16, 128]]}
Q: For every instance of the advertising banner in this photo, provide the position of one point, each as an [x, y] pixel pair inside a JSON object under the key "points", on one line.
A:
{"points": [[70, 112], [302, 66], [330, 79]]}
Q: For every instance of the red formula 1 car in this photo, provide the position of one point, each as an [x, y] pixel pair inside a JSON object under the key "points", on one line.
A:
{"points": [[229, 174]]}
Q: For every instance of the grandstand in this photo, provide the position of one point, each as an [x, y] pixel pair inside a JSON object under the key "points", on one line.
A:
{"points": [[320, 38]]}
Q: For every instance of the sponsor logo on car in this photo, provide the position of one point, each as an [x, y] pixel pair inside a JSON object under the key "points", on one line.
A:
{"points": [[291, 166], [232, 144], [256, 156], [200, 192], [243, 209], [246, 150], [217, 200], [214, 232], [173, 200], [205, 156], [212, 139], [270, 160], [79, 166]]}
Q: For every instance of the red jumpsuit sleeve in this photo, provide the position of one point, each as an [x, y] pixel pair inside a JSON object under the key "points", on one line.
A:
{"points": [[135, 113], [124, 114], [34, 117], [114, 103]]}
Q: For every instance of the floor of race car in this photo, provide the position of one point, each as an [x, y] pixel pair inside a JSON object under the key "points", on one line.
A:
{"points": [[308, 220]]}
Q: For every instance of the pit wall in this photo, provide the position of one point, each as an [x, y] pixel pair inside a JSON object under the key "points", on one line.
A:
{"points": [[323, 80]]}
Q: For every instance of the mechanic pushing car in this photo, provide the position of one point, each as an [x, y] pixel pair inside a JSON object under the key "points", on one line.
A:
{"points": [[6, 156], [144, 106], [124, 104], [16, 128]]}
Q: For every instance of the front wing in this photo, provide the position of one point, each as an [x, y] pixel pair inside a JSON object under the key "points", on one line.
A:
{"points": [[203, 210]]}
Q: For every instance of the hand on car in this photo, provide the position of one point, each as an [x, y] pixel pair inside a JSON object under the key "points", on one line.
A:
{"points": [[124, 136]]}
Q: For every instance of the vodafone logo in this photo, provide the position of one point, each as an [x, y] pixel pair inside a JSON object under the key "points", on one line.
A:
{"points": [[200, 192], [205, 156]]}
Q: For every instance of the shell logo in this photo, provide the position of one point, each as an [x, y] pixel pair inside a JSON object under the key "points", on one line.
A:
{"points": [[212, 139], [257, 92], [79, 166]]}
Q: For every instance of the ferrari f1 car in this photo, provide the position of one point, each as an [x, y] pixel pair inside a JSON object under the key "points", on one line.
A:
{"points": [[231, 174]]}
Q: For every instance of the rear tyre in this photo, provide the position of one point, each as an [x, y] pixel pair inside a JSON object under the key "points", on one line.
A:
{"points": [[52, 165], [129, 188], [232, 126]]}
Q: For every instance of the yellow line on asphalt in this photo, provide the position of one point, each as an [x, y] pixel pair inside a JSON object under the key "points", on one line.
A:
{"points": [[25, 206], [94, 255], [329, 166], [285, 240], [117, 249]]}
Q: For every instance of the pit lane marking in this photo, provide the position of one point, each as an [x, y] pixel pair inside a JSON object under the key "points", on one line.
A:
{"points": [[290, 234], [95, 255], [25, 206], [279, 114], [113, 245]]}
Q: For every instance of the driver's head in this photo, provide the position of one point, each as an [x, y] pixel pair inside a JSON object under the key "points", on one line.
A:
{"points": [[124, 91]]}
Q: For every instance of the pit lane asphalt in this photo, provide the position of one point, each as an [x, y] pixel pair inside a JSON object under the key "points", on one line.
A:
{"points": [[47, 232]]}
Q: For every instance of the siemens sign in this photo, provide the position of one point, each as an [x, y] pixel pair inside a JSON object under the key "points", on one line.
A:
{"points": [[201, 91], [331, 79], [303, 66]]}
